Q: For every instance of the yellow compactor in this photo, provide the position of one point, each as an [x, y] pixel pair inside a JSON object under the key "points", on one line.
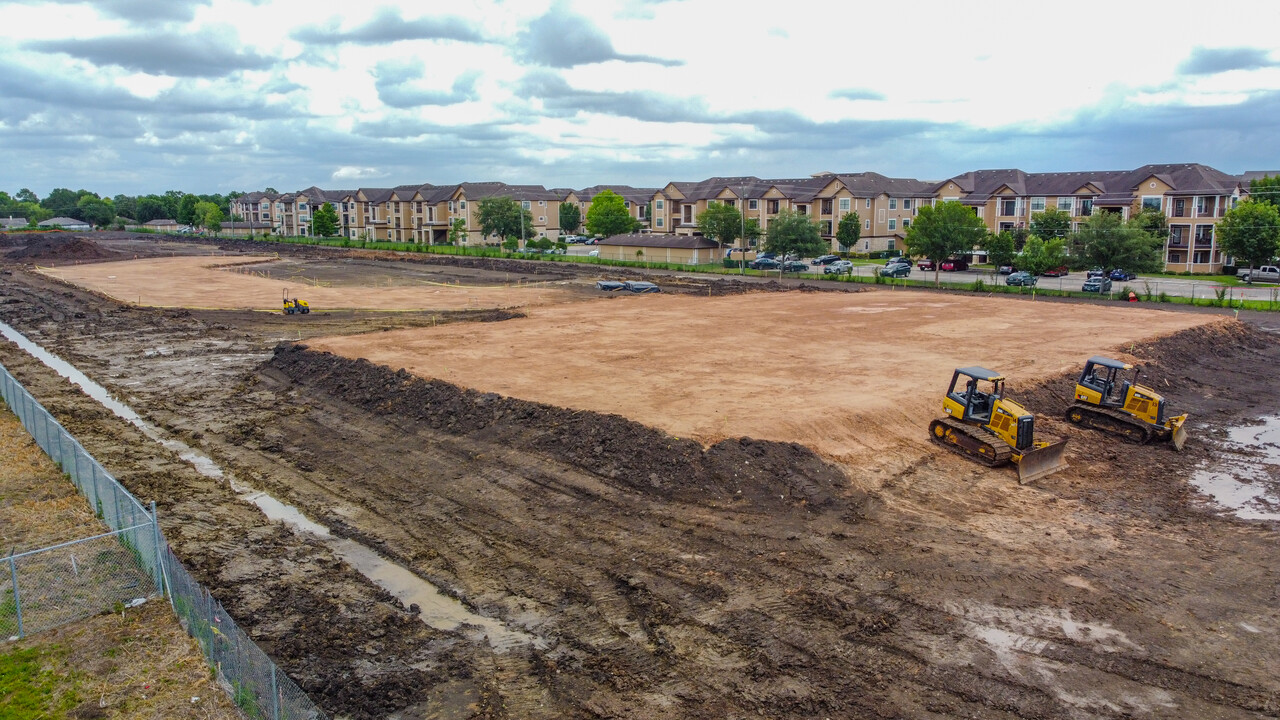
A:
{"points": [[1105, 400], [984, 425]]}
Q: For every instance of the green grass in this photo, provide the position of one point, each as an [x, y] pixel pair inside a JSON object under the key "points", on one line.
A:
{"points": [[28, 690]]}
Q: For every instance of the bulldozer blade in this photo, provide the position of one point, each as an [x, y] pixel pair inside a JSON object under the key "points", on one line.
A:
{"points": [[1179, 436], [1042, 461]]}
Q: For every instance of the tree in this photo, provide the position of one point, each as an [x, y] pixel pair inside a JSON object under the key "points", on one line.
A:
{"points": [[1001, 248], [324, 223], [149, 208], [25, 195], [570, 218], [457, 231], [1264, 190], [608, 216], [1051, 223], [943, 230], [1151, 221], [64, 202], [1250, 232], [849, 231], [207, 215], [95, 210], [1105, 241], [721, 222], [501, 216], [186, 214], [126, 206], [793, 232], [1039, 255]]}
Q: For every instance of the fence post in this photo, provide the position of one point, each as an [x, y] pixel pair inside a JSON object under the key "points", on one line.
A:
{"points": [[17, 602], [155, 540], [275, 695]]}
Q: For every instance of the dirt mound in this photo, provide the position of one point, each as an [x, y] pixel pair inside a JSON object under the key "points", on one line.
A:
{"points": [[623, 452], [60, 247]]}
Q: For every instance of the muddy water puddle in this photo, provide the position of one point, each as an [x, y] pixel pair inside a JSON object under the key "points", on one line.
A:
{"points": [[436, 609], [1247, 479]]}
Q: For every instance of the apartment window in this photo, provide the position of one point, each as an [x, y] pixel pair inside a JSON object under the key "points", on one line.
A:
{"points": [[1200, 257], [1204, 235], [524, 204], [658, 220], [1151, 202], [1037, 204], [1204, 207], [772, 207], [906, 223], [826, 227], [866, 224], [1009, 207], [1178, 235], [657, 204], [450, 206], [1066, 204], [1175, 257], [642, 211], [802, 209], [302, 206], [542, 218], [893, 203], [906, 203], [826, 207], [893, 223], [868, 202], [542, 203], [880, 215], [1086, 206], [890, 246], [753, 204], [844, 204], [866, 244]]}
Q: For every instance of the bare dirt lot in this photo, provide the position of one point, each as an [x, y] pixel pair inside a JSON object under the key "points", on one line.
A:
{"points": [[841, 373], [750, 577]]}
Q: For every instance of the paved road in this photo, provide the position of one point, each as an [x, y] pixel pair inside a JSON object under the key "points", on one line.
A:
{"points": [[1178, 287]]}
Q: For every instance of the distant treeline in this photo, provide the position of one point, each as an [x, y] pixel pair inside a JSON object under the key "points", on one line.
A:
{"points": [[89, 207]]}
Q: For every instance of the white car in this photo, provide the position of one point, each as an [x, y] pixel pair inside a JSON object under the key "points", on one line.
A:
{"points": [[837, 268], [594, 253]]}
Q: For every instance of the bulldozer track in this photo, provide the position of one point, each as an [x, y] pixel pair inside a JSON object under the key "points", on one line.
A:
{"points": [[1112, 422], [971, 442]]}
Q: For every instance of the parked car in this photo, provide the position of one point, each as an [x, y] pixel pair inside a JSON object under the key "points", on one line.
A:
{"points": [[896, 270], [794, 266], [825, 259], [765, 263], [1024, 279], [594, 253], [1094, 272], [953, 264], [925, 264], [1263, 273], [766, 255], [898, 259], [1006, 270], [610, 285], [640, 286], [1097, 285], [838, 267], [1122, 275], [1056, 272]]}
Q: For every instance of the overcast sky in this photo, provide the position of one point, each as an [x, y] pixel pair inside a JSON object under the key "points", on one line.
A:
{"points": [[140, 96]]}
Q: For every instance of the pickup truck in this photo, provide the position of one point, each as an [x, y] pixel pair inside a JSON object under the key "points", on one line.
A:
{"points": [[1263, 273]]}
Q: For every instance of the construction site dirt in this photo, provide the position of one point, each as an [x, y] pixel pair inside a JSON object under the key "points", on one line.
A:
{"points": [[789, 545]]}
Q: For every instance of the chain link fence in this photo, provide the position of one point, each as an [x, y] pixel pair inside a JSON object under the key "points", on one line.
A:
{"points": [[43, 589]]}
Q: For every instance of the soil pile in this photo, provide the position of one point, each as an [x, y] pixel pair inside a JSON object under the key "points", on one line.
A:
{"points": [[623, 452], [60, 248]]}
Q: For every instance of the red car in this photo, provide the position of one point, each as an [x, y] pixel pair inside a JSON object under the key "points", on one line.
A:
{"points": [[1056, 272], [925, 264], [949, 265]]}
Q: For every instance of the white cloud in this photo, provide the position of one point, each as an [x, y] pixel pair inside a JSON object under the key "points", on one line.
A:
{"points": [[357, 173]]}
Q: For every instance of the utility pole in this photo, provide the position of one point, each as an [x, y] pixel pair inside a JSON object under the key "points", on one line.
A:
{"points": [[742, 216]]}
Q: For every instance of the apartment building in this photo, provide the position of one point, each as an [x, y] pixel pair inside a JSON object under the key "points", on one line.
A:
{"points": [[1192, 197], [636, 200]]}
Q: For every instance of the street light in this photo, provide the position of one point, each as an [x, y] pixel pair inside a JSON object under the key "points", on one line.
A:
{"points": [[742, 216]]}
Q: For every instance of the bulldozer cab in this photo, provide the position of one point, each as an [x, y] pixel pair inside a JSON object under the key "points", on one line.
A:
{"points": [[1098, 382], [971, 401]]}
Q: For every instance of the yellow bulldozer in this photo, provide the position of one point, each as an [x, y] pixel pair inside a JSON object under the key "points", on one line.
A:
{"points": [[1105, 400], [984, 425], [295, 305]]}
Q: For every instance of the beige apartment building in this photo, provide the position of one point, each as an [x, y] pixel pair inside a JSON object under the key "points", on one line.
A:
{"points": [[1192, 197]]}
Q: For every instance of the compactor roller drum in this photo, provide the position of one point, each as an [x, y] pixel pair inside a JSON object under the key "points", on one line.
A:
{"points": [[985, 426]]}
